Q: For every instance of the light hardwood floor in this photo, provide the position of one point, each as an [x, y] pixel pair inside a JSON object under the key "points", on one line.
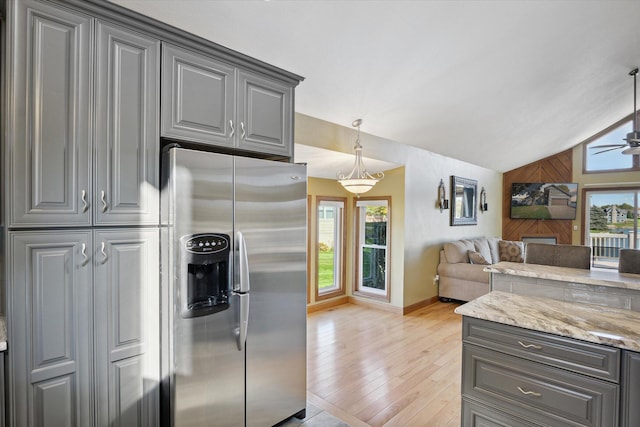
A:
{"points": [[372, 368]]}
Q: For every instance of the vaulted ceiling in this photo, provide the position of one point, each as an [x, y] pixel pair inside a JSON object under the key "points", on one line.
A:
{"points": [[498, 83]]}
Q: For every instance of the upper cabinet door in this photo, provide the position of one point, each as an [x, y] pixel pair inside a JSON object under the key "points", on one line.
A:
{"points": [[265, 115], [48, 117], [197, 98], [127, 79]]}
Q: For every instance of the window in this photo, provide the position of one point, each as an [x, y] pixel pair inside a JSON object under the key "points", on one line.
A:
{"points": [[601, 160], [330, 248], [372, 220], [611, 223]]}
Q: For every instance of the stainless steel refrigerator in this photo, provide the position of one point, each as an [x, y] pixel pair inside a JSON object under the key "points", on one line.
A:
{"points": [[234, 290]]}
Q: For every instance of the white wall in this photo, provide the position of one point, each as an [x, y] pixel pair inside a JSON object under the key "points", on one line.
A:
{"points": [[425, 228]]}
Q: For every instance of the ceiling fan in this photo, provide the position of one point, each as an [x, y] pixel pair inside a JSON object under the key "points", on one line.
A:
{"points": [[633, 137]]}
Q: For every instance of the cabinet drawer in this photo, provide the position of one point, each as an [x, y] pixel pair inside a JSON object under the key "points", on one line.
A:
{"points": [[477, 415], [577, 356], [538, 392]]}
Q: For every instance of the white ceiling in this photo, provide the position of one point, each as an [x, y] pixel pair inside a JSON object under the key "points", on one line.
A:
{"points": [[495, 83]]}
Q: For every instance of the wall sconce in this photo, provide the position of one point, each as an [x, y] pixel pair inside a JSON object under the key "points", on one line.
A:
{"points": [[483, 201], [443, 203]]}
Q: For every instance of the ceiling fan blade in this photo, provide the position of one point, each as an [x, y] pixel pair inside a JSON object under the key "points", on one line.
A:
{"points": [[608, 146], [609, 149], [631, 150]]}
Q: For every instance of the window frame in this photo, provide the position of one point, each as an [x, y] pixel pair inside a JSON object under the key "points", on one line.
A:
{"points": [[606, 189], [635, 158], [340, 277], [357, 283]]}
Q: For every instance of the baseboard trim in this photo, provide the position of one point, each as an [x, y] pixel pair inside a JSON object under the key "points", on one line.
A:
{"points": [[375, 304], [330, 303], [420, 304], [401, 311]]}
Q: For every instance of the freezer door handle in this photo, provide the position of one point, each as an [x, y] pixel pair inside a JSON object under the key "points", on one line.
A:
{"points": [[242, 265], [241, 336]]}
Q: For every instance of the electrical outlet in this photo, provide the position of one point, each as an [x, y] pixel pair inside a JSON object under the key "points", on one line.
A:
{"points": [[436, 278]]}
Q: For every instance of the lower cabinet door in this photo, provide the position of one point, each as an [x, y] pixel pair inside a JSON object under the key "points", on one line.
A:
{"points": [[49, 295], [478, 415], [630, 410], [544, 394], [126, 318]]}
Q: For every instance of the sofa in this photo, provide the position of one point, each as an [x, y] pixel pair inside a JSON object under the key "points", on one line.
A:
{"points": [[460, 271], [461, 268]]}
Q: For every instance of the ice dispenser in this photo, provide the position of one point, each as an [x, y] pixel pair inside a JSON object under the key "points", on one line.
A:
{"points": [[205, 276]]}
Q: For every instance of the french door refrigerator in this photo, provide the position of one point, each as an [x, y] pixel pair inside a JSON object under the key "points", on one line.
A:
{"points": [[234, 290]]}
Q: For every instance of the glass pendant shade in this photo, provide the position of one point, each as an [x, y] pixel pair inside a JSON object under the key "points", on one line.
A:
{"points": [[359, 181]]}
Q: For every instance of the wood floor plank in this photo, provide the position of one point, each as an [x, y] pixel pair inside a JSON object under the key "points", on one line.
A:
{"points": [[374, 368]]}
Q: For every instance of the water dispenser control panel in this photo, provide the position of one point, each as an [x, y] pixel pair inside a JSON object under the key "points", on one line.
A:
{"points": [[207, 243], [205, 276]]}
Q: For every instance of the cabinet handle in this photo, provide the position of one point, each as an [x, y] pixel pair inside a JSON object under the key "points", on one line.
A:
{"points": [[104, 253], [85, 205], [242, 135], [83, 251], [104, 201], [532, 393], [533, 346], [233, 130]]}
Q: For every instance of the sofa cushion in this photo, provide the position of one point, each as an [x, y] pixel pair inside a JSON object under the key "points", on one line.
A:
{"points": [[511, 251], [456, 252], [482, 247], [477, 258], [493, 247]]}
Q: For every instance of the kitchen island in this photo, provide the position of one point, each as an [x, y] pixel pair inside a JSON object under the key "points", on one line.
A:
{"points": [[596, 286], [553, 346]]}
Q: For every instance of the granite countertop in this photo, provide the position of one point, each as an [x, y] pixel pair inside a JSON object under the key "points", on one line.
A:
{"points": [[587, 322], [598, 277]]}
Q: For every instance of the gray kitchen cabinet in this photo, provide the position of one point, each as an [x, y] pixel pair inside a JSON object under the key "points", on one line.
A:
{"points": [[3, 412], [265, 111], [126, 277], [49, 328], [630, 409], [52, 179], [208, 101], [126, 138], [198, 97], [532, 378], [48, 115], [83, 348]]}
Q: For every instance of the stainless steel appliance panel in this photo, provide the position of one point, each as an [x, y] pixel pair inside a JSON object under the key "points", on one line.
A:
{"points": [[206, 367], [270, 212]]}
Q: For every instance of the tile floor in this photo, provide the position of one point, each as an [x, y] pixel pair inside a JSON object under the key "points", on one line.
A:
{"points": [[315, 418]]}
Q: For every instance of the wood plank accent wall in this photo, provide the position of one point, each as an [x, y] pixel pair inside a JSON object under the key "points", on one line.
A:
{"points": [[557, 168]]}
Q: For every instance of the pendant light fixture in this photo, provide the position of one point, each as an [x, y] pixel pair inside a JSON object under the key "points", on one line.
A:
{"points": [[359, 181]]}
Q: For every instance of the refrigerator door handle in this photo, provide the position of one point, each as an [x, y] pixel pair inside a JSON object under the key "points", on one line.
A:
{"points": [[242, 265], [241, 336]]}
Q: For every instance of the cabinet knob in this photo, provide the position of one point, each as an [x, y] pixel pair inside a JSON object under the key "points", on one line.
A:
{"points": [[85, 257], [528, 392], [103, 199], [105, 257], [85, 204], [533, 346]]}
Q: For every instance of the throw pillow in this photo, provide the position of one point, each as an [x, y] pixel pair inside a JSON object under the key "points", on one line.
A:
{"points": [[456, 252], [511, 251], [482, 247], [477, 258]]}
